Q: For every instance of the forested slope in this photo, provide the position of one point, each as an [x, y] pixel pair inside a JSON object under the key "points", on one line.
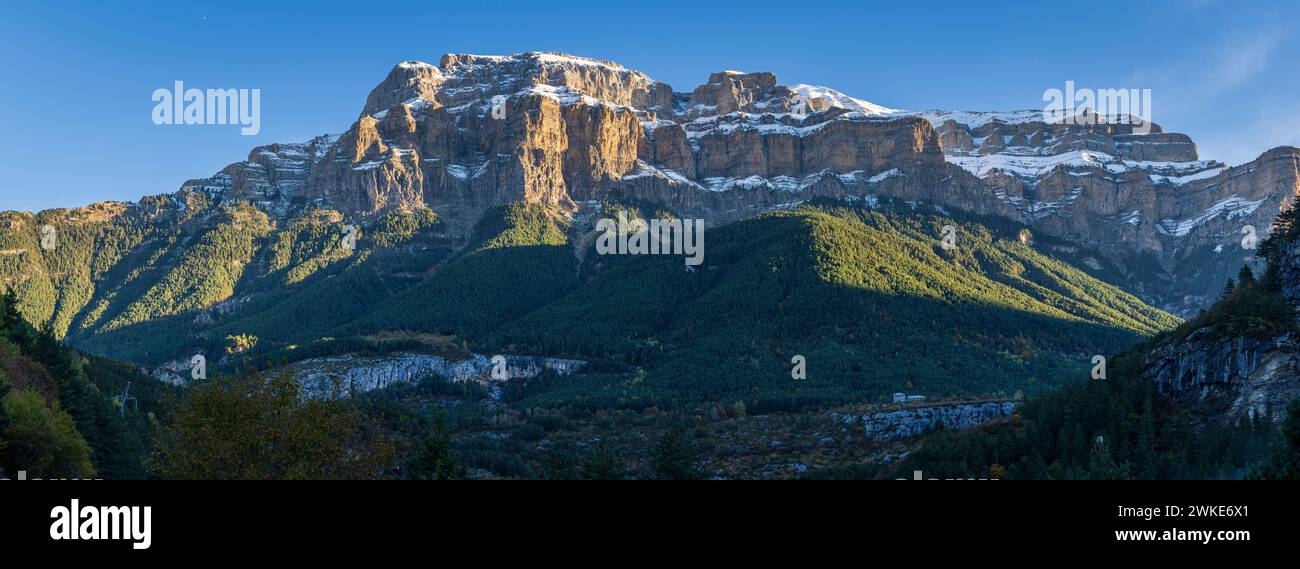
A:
{"points": [[869, 297]]}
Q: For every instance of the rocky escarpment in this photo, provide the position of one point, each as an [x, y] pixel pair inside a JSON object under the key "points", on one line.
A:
{"points": [[915, 421], [348, 374], [477, 131], [1231, 377]]}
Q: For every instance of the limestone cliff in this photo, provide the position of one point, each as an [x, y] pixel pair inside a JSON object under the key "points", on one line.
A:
{"points": [[1232, 377], [915, 421]]}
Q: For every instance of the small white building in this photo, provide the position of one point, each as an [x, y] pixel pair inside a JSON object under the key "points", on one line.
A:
{"points": [[905, 398]]}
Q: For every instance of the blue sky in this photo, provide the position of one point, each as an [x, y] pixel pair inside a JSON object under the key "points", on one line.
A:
{"points": [[76, 79]]}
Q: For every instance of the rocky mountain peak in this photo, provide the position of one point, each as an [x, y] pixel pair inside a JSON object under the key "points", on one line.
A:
{"points": [[466, 79], [734, 91], [408, 80]]}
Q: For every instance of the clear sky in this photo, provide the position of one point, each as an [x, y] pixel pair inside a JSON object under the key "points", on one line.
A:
{"points": [[76, 79]]}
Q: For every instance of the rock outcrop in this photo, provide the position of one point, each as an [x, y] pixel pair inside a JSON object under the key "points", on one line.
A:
{"points": [[348, 374], [1230, 377], [915, 421]]}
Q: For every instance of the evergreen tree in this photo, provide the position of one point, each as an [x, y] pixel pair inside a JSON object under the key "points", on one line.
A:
{"points": [[435, 461], [1286, 458], [562, 463], [9, 315], [1246, 277], [1101, 465], [603, 463], [1284, 230], [675, 458]]}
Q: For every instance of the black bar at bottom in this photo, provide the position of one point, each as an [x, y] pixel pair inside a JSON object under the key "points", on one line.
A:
{"points": [[327, 519]]}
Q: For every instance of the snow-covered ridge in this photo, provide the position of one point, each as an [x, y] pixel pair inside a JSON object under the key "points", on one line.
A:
{"points": [[564, 96], [838, 99], [1030, 168], [1188, 178], [976, 119], [543, 57], [767, 123], [556, 58], [412, 64]]}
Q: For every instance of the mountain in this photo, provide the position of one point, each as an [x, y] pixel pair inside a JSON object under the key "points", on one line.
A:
{"points": [[576, 130], [456, 220], [476, 183]]}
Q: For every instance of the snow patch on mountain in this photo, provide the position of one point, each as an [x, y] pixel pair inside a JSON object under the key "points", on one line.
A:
{"points": [[1030, 168], [1181, 180], [976, 119], [1232, 207]]}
